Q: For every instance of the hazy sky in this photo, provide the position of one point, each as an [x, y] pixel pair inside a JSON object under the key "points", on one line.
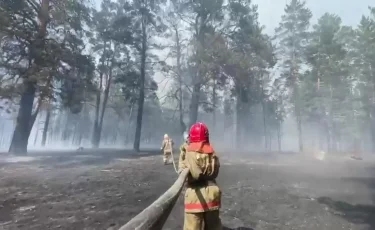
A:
{"points": [[270, 12], [350, 11]]}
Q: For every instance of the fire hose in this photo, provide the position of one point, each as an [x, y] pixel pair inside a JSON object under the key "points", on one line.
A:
{"points": [[155, 215], [173, 161]]}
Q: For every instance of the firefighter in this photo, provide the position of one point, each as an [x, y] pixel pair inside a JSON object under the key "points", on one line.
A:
{"points": [[181, 163], [167, 148], [202, 196]]}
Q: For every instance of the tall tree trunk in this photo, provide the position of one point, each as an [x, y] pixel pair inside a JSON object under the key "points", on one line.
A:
{"points": [[372, 119], [80, 137], [36, 133], [270, 142], [52, 135], [264, 115], [179, 72], [279, 135], [194, 104], [197, 80], [239, 124], [328, 138], [34, 116], [104, 104], [181, 113], [241, 120], [2, 134], [334, 138], [129, 124], [74, 136], [298, 115], [300, 137], [141, 98], [372, 128], [96, 132], [264, 126], [95, 141], [297, 104], [214, 96], [24, 118], [21, 132], [46, 125]]}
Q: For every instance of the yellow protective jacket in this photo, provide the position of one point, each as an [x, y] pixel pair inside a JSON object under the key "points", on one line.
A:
{"points": [[181, 160], [167, 145], [202, 193]]}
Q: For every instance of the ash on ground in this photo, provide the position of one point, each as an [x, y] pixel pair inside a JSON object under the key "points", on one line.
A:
{"points": [[262, 192]]}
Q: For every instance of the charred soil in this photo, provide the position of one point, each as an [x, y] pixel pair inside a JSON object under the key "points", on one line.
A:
{"points": [[104, 190]]}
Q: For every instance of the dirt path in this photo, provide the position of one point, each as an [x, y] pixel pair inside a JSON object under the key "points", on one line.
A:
{"points": [[101, 191]]}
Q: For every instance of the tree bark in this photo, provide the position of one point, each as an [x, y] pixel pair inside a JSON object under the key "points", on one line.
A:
{"points": [[300, 140], [298, 115], [371, 119], [96, 132], [104, 105], [264, 126], [279, 136], [24, 119], [141, 99], [238, 123], [179, 72], [194, 104], [197, 81], [36, 133], [46, 125], [129, 124], [95, 136], [214, 99]]}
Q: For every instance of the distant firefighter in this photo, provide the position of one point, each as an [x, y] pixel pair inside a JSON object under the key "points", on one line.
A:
{"points": [[181, 163], [167, 148], [202, 196]]}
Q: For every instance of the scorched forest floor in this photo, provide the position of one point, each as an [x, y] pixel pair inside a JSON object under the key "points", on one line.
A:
{"points": [[104, 189]]}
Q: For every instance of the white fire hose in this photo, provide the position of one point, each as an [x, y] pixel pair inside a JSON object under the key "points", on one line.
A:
{"points": [[173, 161], [185, 136]]}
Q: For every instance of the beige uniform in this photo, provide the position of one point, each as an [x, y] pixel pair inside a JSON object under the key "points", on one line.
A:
{"points": [[167, 147], [202, 196], [181, 160]]}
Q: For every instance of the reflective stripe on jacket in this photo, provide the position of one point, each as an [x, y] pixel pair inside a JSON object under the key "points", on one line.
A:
{"points": [[202, 198], [202, 193]]}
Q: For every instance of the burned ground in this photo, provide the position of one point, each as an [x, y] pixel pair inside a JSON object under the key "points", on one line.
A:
{"points": [[103, 190]]}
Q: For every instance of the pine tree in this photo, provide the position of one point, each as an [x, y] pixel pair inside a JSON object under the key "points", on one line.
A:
{"points": [[292, 35], [328, 77], [43, 47], [365, 60]]}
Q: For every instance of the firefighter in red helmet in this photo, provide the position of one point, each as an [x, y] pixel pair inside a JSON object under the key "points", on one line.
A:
{"points": [[202, 196]]}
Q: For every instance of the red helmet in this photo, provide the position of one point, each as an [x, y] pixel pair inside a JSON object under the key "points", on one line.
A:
{"points": [[198, 133]]}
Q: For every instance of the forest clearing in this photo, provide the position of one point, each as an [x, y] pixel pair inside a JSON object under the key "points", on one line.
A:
{"points": [[261, 192], [101, 76]]}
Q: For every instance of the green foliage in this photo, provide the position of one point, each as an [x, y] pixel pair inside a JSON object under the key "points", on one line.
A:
{"points": [[336, 90], [55, 61], [220, 60], [252, 51], [326, 57], [292, 36]]}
